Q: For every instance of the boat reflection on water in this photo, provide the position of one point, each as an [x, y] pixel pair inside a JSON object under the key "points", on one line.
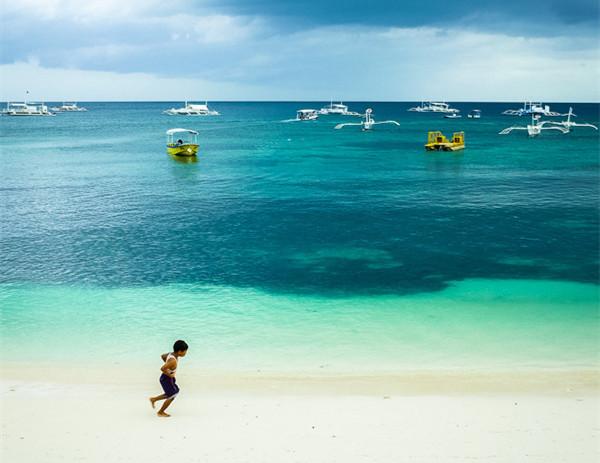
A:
{"points": [[184, 159]]}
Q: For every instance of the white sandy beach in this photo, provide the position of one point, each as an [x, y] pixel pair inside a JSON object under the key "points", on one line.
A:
{"points": [[533, 417]]}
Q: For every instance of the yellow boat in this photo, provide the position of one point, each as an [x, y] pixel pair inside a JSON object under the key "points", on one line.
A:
{"points": [[182, 142], [436, 141]]}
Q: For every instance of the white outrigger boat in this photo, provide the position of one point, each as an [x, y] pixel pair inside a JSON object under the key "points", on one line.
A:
{"points": [[536, 127], [26, 109], [568, 124], [67, 108], [536, 109], [192, 109], [433, 107], [307, 115], [368, 123], [337, 109]]}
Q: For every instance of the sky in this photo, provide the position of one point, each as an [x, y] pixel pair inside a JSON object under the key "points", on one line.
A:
{"points": [[301, 50]]}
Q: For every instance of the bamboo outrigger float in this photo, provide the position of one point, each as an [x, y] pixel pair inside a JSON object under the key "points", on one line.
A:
{"points": [[436, 141]]}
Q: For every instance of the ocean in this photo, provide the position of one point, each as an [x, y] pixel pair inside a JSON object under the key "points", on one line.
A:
{"points": [[291, 246]]}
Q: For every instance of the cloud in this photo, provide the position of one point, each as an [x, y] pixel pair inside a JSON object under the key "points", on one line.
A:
{"points": [[304, 53], [81, 11], [60, 84]]}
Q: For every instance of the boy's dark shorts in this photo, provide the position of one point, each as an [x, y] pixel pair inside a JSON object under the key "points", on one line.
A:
{"points": [[169, 386]]}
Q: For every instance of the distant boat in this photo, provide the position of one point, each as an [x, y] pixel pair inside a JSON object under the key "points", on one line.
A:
{"points": [[568, 124], [182, 142], [192, 109], [368, 123], [433, 107], [338, 109], [26, 109], [474, 114], [307, 115], [537, 109], [67, 107], [452, 116]]}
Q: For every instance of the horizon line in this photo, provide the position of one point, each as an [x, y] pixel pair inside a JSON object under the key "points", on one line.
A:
{"points": [[298, 101]]}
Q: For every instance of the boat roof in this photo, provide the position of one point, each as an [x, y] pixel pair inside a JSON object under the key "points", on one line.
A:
{"points": [[172, 131], [307, 110]]}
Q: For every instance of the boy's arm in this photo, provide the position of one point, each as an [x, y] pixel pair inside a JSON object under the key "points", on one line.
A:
{"points": [[164, 357], [167, 367]]}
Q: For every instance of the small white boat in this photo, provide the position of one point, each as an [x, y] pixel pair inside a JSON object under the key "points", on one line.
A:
{"points": [[368, 123], [307, 115], [433, 107], [67, 107], [192, 109], [474, 114], [337, 109], [26, 109], [452, 116]]}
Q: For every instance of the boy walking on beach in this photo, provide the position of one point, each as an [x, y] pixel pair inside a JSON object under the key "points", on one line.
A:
{"points": [[167, 379]]}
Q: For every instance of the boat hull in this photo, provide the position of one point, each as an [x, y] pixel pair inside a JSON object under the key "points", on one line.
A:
{"points": [[183, 150], [444, 147], [436, 141]]}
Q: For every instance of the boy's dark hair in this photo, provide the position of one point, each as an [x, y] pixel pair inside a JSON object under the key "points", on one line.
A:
{"points": [[180, 346]]}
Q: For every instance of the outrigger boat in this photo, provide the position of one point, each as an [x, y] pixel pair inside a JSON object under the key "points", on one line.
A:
{"points": [[568, 124], [182, 142], [368, 123], [452, 116], [337, 109], [67, 107], [536, 127], [433, 107], [192, 109], [26, 109], [436, 141], [307, 115], [535, 109]]}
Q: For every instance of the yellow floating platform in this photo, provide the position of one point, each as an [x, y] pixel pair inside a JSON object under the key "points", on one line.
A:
{"points": [[436, 141], [189, 149]]}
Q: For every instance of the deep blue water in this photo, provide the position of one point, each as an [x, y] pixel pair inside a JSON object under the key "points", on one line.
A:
{"points": [[93, 198]]}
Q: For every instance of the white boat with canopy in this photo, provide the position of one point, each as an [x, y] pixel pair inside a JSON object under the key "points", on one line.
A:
{"points": [[337, 109], [532, 108], [307, 115], [67, 108], [433, 107], [26, 109], [192, 109]]}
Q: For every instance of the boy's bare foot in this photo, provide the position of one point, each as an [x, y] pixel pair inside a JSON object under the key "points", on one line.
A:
{"points": [[163, 414], [151, 399]]}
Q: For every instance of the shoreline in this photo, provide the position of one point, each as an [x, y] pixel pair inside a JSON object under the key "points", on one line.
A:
{"points": [[556, 382]]}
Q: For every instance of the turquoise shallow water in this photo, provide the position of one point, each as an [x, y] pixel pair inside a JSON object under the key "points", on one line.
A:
{"points": [[474, 324], [295, 246]]}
